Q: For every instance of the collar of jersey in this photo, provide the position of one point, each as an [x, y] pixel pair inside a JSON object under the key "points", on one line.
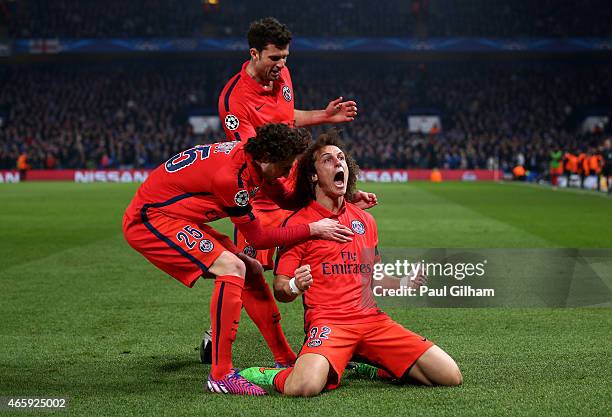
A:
{"points": [[255, 86], [323, 211], [254, 175]]}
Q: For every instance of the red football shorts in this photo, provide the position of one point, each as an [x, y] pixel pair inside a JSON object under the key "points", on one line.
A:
{"points": [[181, 248], [384, 343], [268, 219]]}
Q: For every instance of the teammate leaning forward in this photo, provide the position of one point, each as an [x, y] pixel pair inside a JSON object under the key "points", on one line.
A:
{"points": [[167, 223], [342, 320]]}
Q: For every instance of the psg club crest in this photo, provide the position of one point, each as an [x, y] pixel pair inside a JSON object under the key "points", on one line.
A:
{"points": [[314, 343], [241, 198], [231, 122], [358, 227], [287, 93], [206, 245]]}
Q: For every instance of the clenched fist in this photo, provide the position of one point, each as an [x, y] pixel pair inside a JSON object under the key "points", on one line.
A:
{"points": [[303, 278]]}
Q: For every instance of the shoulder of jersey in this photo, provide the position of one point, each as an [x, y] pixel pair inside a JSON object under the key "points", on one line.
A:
{"points": [[235, 95], [361, 213], [297, 217], [354, 208], [286, 71], [230, 149]]}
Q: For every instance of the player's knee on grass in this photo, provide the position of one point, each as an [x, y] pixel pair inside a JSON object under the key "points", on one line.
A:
{"points": [[228, 264], [436, 367], [309, 376], [306, 388]]}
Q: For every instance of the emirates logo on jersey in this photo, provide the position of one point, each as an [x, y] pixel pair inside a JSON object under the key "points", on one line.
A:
{"points": [[287, 93], [358, 227], [231, 122]]}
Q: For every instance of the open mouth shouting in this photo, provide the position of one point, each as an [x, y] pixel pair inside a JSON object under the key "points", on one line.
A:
{"points": [[339, 178]]}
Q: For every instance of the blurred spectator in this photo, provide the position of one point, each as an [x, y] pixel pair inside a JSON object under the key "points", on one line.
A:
{"points": [[23, 166]]}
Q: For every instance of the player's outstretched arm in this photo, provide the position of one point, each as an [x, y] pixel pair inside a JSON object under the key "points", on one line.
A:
{"points": [[287, 289], [337, 111], [263, 238]]}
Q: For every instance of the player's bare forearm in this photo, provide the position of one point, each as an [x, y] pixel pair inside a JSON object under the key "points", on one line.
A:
{"points": [[337, 111], [282, 290], [309, 117], [388, 282], [364, 200], [392, 282], [287, 289]]}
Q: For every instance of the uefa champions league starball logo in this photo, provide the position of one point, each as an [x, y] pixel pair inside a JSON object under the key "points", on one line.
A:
{"points": [[358, 227], [287, 93], [241, 198], [231, 122]]}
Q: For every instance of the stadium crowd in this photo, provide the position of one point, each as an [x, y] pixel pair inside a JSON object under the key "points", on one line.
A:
{"points": [[501, 114], [189, 18]]}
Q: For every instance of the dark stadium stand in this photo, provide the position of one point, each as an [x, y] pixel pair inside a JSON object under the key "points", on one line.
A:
{"points": [[396, 18], [128, 112], [128, 115]]}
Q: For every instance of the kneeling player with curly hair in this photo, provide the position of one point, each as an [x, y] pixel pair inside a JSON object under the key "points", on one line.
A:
{"points": [[341, 318]]}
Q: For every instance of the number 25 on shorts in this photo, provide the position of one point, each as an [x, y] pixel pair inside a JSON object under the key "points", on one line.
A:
{"points": [[186, 235]]}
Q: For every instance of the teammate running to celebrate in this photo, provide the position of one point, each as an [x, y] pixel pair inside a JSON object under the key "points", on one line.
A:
{"points": [[262, 92], [167, 223], [341, 316]]}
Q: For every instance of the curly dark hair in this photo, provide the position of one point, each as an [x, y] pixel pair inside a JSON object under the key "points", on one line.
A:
{"points": [[305, 187], [277, 142], [268, 31]]}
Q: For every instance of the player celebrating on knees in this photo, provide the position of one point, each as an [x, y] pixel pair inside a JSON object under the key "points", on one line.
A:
{"points": [[166, 223], [341, 316]]}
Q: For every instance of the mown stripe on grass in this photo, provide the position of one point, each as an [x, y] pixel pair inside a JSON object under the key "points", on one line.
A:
{"points": [[558, 219], [410, 215]]}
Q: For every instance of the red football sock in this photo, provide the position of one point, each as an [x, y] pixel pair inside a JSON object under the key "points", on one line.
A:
{"points": [[382, 374], [281, 378], [262, 309], [225, 307]]}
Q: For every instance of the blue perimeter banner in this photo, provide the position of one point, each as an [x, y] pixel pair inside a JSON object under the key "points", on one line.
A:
{"points": [[95, 46]]}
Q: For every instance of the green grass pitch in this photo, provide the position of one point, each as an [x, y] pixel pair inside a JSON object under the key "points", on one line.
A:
{"points": [[83, 316]]}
